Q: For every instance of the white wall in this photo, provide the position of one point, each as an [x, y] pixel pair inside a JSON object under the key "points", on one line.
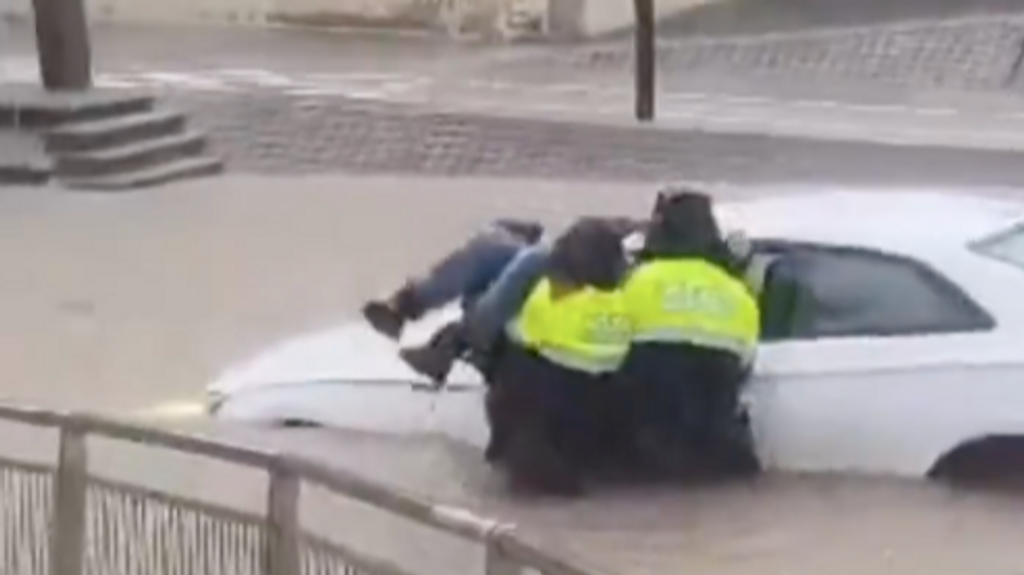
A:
{"points": [[574, 17], [14, 7], [602, 16]]}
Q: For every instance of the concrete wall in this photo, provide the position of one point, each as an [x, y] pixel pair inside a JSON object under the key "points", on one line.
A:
{"points": [[448, 15], [504, 18]]}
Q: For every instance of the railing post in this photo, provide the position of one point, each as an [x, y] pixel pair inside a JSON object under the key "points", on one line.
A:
{"points": [[67, 534], [283, 521], [496, 560]]}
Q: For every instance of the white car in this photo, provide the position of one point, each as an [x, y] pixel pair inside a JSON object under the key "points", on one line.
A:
{"points": [[903, 353]]}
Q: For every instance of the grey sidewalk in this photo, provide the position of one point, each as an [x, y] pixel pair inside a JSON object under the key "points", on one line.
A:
{"points": [[278, 135], [978, 120], [875, 84], [320, 104]]}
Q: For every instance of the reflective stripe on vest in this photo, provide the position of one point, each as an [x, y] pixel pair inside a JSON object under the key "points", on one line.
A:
{"points": [[584, 331], [692, 301]]}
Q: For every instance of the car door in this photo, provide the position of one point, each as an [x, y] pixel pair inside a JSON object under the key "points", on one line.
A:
{"points": [[865, 329]]}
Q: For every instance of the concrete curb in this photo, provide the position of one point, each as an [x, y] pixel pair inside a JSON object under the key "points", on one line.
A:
{"points": [[25, 173], [347, 137]]}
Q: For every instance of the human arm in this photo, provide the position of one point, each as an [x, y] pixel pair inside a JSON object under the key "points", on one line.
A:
{"points": [[487, 317]]}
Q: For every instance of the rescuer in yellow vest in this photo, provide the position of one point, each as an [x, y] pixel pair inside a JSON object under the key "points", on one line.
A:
{"points": [[549, 382], [695, 329]]}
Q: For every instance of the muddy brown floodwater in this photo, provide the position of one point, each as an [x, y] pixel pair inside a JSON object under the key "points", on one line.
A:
{"points": [[120, 303]]}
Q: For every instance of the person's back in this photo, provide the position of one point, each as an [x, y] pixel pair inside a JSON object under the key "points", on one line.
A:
{"points": [[561, 351], [695, 329]]}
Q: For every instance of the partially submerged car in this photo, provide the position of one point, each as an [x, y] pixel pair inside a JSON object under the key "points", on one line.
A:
{"points": [[901, 353]]}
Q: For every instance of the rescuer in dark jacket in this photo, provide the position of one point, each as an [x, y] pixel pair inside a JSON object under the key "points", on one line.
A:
{"points": [[695, 330], [551, 374]]}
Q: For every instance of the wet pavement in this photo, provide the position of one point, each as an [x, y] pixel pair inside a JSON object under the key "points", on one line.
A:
{"points": [[322, 136], [952, 83], [118, 303]]}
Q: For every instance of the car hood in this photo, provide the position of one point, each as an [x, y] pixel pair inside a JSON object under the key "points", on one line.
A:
{"points": [[351, 352]]}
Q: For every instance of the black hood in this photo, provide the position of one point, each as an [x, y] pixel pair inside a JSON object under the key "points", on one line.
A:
{"points": [[683, 225], [590, 253]]}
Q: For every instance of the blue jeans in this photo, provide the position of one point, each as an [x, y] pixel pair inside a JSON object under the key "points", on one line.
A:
{"points": [[492, 274], [469, 270], [504, 297]]}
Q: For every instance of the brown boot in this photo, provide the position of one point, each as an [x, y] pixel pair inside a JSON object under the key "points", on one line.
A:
{"points": [[434, 359], [388, 317]]}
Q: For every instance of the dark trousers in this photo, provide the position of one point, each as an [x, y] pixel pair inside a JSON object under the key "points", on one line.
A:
{"points": [[547, 421], [685, 410]]}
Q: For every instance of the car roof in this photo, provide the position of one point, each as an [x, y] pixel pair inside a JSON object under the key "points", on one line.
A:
{"points": [[903, 221]]}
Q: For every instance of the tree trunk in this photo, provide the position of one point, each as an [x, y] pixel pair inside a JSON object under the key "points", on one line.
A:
{"points": [[62, 42]]}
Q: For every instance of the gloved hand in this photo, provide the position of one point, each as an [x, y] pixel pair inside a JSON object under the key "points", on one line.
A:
{"points": [[633, 244], [739, 245], [529, 232]]}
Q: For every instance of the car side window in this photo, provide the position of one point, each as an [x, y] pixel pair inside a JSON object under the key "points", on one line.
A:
{"points": [[851, 292]]}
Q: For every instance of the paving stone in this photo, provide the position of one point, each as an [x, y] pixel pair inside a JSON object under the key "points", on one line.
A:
{"points": [[22, 158], [273, 134], [970, 54], [738, 17]]}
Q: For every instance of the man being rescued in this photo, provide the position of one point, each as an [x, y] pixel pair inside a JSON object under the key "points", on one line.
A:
{"points": [[599, 362]]}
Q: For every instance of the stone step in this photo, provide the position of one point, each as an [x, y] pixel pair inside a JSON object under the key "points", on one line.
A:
{"points": [[25, 173], [35, 109], [129, 157], [113, 132], [190, 167]]}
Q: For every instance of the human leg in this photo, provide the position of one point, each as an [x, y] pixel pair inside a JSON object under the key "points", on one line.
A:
{"points": [[726, 435], [615, 426], [667, 410], [536, 448], [464, 272], [529, 231], [484, 319]]}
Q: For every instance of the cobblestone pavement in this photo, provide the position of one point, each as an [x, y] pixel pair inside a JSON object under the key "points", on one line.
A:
{"points": [[264, 135], [977, 53], [113, 303], [273, 122], [876, 89]]}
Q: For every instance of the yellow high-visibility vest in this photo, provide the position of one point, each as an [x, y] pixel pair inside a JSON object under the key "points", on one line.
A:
{"points": [[692, 301], [587, 330]]}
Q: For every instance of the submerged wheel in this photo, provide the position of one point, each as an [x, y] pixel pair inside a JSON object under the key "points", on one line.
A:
{"points": [[995, 461]]}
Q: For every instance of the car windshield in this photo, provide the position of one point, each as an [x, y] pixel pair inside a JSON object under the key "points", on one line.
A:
{"points": [[1006, 246]]}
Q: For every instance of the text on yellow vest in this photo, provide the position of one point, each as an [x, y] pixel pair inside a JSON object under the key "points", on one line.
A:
{"points": [[692, 301], [586, 330]]}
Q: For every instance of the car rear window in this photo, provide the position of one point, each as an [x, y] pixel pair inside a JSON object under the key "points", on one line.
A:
{"points": [[1006, 246]]}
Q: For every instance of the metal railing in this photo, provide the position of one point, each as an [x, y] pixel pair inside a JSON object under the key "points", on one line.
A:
{"points": [[61, 519]]}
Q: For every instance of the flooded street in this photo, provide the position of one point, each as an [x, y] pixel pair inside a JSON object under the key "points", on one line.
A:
{"points": [[122, 304]]}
